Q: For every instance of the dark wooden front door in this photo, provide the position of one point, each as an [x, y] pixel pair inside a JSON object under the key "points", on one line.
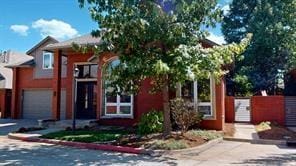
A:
{"points": [[86, 100]]}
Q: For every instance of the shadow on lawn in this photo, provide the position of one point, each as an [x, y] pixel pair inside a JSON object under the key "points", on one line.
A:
{"points": [[58, 155]]}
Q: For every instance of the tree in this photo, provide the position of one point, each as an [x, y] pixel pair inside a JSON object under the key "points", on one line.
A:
{"points": [[235, 23], [158, 39], [273, 26]]}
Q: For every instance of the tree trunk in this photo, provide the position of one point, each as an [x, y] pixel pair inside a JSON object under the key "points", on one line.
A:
{"points": [[166, 109]]}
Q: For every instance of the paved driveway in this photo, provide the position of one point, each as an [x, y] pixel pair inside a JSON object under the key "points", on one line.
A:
{"points": [[9, 125], [239, 153], [13, 152]]}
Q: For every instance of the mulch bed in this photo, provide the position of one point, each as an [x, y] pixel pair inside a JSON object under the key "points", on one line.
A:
{"points": [[277, 133], [145, 141]]}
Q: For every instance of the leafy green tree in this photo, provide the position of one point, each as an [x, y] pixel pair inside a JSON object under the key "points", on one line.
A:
{"points": [[235, 23], [158, 39], [273, 25]]}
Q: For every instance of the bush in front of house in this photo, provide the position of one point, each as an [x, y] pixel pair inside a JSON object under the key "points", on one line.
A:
{"points": [[151, 122], [170, 144], [184, 114], [205, 134]]}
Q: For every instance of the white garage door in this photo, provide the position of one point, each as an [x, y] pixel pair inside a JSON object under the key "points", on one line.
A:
{"points": [[37, 104]]}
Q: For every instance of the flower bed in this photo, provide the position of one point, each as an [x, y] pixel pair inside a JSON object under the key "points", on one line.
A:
{"points": [[268, 130], [128, 138]]}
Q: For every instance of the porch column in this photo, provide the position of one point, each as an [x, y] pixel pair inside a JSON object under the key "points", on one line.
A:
{"points": [[15, 95], [56, 85]]}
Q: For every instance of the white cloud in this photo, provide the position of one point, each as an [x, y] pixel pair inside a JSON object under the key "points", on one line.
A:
{"points": [[225, 9], [20, 29], [55, 28], [219, 39]]}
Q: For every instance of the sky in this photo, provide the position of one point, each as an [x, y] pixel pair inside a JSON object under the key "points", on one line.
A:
{"points": [[24, 23]]}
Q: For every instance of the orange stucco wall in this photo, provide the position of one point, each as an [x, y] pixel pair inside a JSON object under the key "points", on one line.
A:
{"points": [[268, 108], [2, 102], [218, 122], [229, 109]]}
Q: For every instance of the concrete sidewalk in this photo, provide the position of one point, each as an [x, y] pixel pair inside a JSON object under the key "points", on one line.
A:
{"points": [[245, 131]]}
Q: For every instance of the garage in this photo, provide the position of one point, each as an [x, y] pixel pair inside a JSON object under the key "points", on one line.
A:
{"points": [[37, 104]]}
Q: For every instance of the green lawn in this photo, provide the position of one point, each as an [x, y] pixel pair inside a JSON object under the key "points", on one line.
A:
{"points": [[86, 136]]}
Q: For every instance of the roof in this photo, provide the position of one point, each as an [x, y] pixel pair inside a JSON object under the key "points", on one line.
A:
{"points": [[40, 43], [90, 40], [81, 40], [7, 59], [210, 42]]}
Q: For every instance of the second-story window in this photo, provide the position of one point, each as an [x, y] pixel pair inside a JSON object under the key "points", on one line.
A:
{"points": [[47, 60]]}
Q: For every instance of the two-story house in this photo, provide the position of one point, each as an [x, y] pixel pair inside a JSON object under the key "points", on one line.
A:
{"points": [[45, 88]]}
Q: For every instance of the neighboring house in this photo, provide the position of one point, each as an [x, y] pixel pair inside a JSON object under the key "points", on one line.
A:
{"points": [[6, 76], [32, 84], [32, 92]]}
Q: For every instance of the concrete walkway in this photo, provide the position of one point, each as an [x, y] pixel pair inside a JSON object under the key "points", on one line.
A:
{"points": [[245, 131]]}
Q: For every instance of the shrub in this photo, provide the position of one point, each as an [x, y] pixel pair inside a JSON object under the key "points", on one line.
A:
{"points": [[151, 122], [184, 114], [204, 134], [170, 144]]}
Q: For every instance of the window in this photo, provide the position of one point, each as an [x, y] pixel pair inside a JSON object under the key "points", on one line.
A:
{"points": [[114, 104], [88, 71], [200, 93], [47, 60]]}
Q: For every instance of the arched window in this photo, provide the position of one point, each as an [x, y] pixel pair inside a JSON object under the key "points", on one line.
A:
{"points": [[115, 105]]}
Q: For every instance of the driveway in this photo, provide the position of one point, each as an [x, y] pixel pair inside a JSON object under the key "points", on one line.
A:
{"points": [[9, 125], [13, 152], [241, 153]]}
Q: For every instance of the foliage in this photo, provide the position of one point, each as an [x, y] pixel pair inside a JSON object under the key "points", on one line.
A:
{"points": [[170, 144], [151, 122], [184, 114], [263, 126], [243, 85], [235, 23], [158, 39], [205, 134], [273, 26], [86, 136]]}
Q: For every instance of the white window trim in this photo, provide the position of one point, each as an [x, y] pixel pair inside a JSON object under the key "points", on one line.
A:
{"points": [[211, 116], [118, 104], [211, 103], [50, 60]]}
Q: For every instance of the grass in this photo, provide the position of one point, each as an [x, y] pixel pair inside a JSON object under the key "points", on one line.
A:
{"points": [[205, 134], [86, 136], [170, 144]]}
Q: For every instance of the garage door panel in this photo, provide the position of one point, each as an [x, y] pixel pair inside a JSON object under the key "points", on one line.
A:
{"points": [[37, 104]]}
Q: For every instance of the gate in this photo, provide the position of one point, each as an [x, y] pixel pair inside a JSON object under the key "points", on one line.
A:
{"points": [[290, 109], [242, 110]]}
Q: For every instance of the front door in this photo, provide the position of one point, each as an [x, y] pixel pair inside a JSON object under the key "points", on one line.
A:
{"points": [[86, 100]]}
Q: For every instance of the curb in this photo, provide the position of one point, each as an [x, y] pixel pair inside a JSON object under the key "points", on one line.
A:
{"points": [[196, 149], [92, 146], [269, 142], [257, 141], [237, 139]]}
